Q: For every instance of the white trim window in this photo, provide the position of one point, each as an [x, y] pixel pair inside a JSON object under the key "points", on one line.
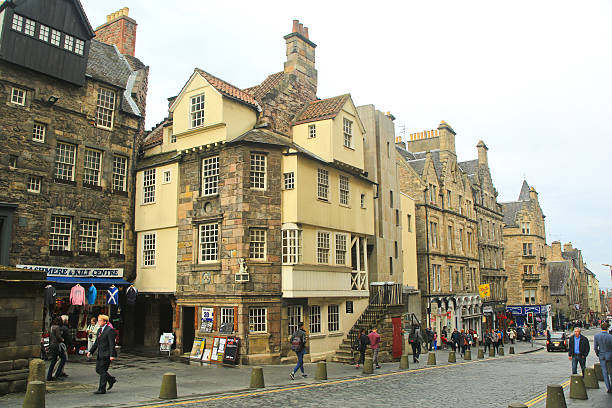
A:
{"points": [[166, 176], [105, 108], [322, 184], [119, 173], [227, 315], [258, 171], [43, 33], [295, 316], [323, 238], [30, 27], [197, 110], [17, 22], [289, 180], [91, 167], [56, 37], [527, 249], [315, 319], [333, 318], [528, 269], [34, 184], [209, 242], [79, 46], [526, 228], [88, 238], [312, 131], [363, 201], [292, 246], [68, 42], [258, 320], [344, 190], [149, 244], [348, 133], [341, 249], [38, 132], [18, 96], [148, 186], [210, 176], [116, 238], [60, 235], [257, 243], [65, 157]]}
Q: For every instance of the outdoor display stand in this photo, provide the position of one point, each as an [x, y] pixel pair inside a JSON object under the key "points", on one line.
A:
{"points": [[165, 343], [232, 348], [199, 344]]}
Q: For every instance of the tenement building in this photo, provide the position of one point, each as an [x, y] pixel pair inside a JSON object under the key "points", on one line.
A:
{"points": [[564, 280], [446, 229]]}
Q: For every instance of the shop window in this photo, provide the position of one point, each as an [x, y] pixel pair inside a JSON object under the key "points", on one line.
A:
{"points": [[333, 318], [258, 320]]}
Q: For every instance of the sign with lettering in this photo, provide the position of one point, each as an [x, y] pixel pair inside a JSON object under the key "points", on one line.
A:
{"points": [[70, 272]]}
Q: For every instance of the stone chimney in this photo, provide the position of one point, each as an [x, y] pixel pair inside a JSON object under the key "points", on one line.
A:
{"points": [[482, 154], [301, 53], [533, 195], [447, 142], [119, 30], [400, 142], [568, 247], [556, 251]]}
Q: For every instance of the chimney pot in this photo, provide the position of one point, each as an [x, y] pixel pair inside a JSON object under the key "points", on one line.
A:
{"points": [[301, 29], [296, 24], [306, 32]]}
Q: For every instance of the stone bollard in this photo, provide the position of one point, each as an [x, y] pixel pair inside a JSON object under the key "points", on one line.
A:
{"points": [[577, 388], [404, 365], [431, 358], [467, 355], [590, 378], [168, 387], [517, 405], [555, 397], [37, 370], [452, 357], [368, 366], [598, 372], [321, 373], [511, 349], [480, 353], [491, 352], [501, 351], [257, 378], [35, 395]]}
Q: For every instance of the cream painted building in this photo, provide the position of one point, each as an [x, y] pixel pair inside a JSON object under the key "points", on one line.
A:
{"points": [[410, 276]]}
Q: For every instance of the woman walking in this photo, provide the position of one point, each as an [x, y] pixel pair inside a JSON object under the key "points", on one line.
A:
{"points": [[362, 344]]}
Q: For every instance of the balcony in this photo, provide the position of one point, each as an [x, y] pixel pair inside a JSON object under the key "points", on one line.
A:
{"points": [[531, 276], [300, 281]]}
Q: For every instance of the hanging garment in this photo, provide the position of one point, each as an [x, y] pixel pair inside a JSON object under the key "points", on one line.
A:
{"points": [[112, 295], [130, 295], [77, 295], [73, 318], [50, 297], [92, 293]]}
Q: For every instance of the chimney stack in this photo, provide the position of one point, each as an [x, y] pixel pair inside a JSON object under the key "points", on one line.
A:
{"points": [[400, 142], [568, 247], [301, 53], [556, 251], [119, 30], [482, 154], [533, 195]]}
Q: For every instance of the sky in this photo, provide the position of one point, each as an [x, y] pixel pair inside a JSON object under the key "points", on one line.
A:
{"points": [[530, 78]]}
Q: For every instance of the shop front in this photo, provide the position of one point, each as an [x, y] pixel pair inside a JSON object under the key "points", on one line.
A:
{"points": [[541, 315]]}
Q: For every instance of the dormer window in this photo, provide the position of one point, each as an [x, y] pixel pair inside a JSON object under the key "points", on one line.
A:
{"points": [[43, 34], [105, 108], [348, 133], [312, 131], [197, 111], [17, 22], [30, 27], [56, 37], [68, 42]]}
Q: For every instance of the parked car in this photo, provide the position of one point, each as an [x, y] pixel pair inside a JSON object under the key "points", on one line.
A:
{"points": [[557, 341]]}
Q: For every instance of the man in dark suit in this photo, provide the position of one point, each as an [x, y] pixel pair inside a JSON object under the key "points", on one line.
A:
{"points": [[603, 349], [578, 350], [105, 344]]}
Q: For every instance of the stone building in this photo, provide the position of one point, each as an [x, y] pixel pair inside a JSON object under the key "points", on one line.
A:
{"points": [[564, 287], [575, 256], [446, 228], [490, 236], [525, 255]]}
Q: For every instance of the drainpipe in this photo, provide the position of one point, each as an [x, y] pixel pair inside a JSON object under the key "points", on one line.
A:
{"points": [[427, 252]]}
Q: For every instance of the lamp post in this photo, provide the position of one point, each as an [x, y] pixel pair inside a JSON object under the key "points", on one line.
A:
{"points": [[609, 266]]}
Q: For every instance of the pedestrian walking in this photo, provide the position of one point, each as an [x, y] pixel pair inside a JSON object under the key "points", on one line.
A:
{"points": [[298, 344], [487, 341], [603, 349], [455, 338], [511, 335], [92, 332], [105, 344], [414, 338], [462, 342], [475, 338], [578, 350], [55, 339], [435, 341], [363, 341], [375, 346]]}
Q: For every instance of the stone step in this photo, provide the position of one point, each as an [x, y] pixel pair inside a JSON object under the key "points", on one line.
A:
{"points": [[341, 359], [341, 352]]}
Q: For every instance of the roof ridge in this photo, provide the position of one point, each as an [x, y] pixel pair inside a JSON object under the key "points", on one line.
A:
{"points": [[241, 95]]}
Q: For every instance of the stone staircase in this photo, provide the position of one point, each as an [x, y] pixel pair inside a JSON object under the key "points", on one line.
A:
{"points": [[369, 318]]}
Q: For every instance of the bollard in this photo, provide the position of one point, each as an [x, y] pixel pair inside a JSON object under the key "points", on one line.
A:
{"points": [[168, 387], [577, 388], [452, 357], [598, 372], [37, 370], [321, 373], [517, 405], [35, 395], [257, 378], [368, 366], [480, 353], [511, 349], [501, 351], [404, 365], [491, 352], [431, 358], [555, 397], [590, 378]]}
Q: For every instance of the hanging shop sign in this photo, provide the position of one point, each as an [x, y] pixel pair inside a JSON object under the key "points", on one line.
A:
{"points": [[485, 290], [69, 272], [487, 309]]}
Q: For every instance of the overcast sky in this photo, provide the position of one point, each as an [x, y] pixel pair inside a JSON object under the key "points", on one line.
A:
{"points": [[530, 78]]}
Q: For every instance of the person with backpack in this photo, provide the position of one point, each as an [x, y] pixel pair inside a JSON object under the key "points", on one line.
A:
{"points": [[363, 341], [298, 344]]}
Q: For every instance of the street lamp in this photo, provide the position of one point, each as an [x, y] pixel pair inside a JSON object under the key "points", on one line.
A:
{"points": [[609, 266]]}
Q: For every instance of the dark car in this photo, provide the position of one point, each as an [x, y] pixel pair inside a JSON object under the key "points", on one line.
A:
{"points": [[557, 341]]}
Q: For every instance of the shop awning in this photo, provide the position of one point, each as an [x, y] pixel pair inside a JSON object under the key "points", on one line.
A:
{"points": [[101, 281]]}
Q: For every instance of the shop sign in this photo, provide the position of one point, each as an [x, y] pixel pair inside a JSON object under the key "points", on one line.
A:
{"points": [[487, 309], [485, 290], [69, 272], [206, 323]]}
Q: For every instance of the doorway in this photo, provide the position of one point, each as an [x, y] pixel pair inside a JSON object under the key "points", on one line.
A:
{"points": [[188, 328]]}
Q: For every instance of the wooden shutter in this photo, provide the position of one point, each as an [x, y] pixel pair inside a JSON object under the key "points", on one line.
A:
{"points": [[236, 319], [215, 317]]}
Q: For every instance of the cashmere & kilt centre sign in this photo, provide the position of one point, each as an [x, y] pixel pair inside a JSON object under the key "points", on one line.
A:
{"points": [[70, 272]]}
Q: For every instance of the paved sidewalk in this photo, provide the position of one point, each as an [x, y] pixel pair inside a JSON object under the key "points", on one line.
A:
{"points": [[139, 379]]}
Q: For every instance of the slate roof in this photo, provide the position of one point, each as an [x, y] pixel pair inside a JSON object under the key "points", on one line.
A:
{"points": [[156, 160], [263, 136], [510, 210], [229, 90], [469, 167], [524, 194], [321, 109], [558, 274]]}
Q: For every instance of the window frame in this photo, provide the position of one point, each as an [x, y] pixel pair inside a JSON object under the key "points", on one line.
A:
{"points": [[323, 184], [259, 251], [44, 32], [18, 96], [167, 176], [29, 27], [225, 317], [210, 176], [91, 174], [89, 233], [314, 319], [66, 166], [37, 181], [149, 186], [60, 232], [149, 255], [289, 180], [39, 132], [333, 318], [321, 250], [196, 110], [344, 190], [212, 246], [119, 175], [339, 251], [258, 323], [312, 131], [106, 102], [295, 315], [113, 238], [258, 171], [56, 37], [17, 23], [347, 130], [292, 246]]}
